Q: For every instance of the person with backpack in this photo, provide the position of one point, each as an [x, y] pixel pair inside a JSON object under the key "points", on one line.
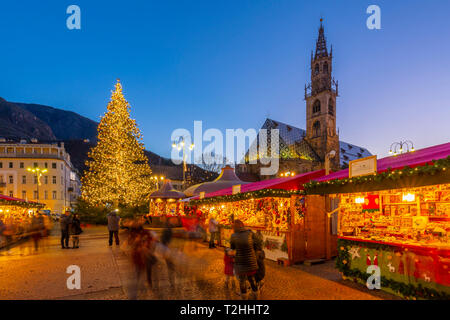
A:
{"points": [[75, 231]]}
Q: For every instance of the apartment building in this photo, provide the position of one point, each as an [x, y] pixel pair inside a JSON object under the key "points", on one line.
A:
{"points": [[57, 185]]}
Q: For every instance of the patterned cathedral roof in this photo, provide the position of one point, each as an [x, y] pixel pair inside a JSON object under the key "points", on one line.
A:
{"points": [[294, 146]]}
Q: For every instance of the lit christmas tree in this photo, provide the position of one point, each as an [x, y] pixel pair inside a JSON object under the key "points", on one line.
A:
{"points": [[118, 172]]}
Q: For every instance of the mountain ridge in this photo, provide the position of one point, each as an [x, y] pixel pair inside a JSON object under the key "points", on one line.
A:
{"points": [[45, 123]]}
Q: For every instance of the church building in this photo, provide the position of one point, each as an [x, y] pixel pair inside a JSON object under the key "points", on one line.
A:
{"points": [[305, 150]]}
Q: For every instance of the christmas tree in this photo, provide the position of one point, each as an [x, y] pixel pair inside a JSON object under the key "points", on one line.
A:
{"points": [[118, 170]]}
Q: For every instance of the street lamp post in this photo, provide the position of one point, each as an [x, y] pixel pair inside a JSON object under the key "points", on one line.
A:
{"points": [[328, 158], [38, 172], [397, 147], [181, 145], [156, 178]]}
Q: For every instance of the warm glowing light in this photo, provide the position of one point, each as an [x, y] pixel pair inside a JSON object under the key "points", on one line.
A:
{"points": [[359, 200], [293, 174], [409, 197], [282, 174], [173, 145]]}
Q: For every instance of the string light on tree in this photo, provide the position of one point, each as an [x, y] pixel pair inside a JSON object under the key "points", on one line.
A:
{"points": [[118, 172]]}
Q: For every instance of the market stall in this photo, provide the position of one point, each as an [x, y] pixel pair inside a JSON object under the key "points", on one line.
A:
{"points": [[274, 209], [226, 179], [16, 218], [398, 219], [165, 204]]}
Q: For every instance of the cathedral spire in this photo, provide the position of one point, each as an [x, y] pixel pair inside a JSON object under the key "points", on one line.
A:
{"points": [[321, 44]]}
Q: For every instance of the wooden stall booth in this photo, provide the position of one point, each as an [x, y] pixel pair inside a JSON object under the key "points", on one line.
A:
{"points": [[275, 209], [165, 205], [397, 219], [16, 218]]}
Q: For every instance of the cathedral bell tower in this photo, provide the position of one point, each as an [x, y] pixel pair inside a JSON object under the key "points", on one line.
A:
{"points": [[320, 96]]}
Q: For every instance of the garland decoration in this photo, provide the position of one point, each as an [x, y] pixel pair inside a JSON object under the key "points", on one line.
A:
{"points": [[436, 173], [263, 193], [403, 289], [22, 204]]}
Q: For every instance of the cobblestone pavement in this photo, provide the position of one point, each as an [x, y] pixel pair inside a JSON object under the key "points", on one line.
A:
{"points": [[106, 273]]}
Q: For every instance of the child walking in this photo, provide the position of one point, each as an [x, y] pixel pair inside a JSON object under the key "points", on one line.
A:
{"points": [[229, 269]]}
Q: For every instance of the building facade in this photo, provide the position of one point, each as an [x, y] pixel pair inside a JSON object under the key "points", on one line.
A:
{"points": [[59, 185], [302, 150]]}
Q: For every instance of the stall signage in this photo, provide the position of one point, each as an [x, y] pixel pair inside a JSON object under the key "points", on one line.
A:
{"points": [[202, 195], [274, 247], [362, 167], [236, 189]]}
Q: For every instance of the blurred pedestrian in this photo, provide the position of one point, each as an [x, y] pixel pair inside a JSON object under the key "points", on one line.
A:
{"points": [[228, 260], [166, 238], [64, 225], [37, 229], [167, 234], [2, 228], [246, 266], [113, 227], [75, 231], [213, 231], [142, 245], [260, 258]]}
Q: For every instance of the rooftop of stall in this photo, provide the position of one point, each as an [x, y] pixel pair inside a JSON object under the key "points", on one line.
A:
{"points": [[289, 183], [167, 192], [5, 200], [227, 178], [425, 156]]}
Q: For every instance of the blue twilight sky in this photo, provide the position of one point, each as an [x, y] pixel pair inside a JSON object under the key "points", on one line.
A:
{"points": [[232, 63]]}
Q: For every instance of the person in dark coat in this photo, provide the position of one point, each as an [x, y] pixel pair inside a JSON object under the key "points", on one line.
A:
{"points": [[64, 224], [113, 227], [75, 231], [260, 257], [246, 266]]}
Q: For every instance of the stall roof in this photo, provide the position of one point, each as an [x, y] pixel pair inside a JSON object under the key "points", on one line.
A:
{"points": [[290, 183], [167, 192], [411, 159], [6, 198], [226, 179]]}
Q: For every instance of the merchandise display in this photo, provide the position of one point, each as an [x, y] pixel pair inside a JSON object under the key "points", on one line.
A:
{"points": [[414, 216]]}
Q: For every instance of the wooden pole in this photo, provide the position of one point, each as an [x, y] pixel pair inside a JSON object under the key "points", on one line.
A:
{"points": [[327, 227]]}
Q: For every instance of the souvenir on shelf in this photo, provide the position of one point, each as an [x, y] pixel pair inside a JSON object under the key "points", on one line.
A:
{"points": [[415, 216]]}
